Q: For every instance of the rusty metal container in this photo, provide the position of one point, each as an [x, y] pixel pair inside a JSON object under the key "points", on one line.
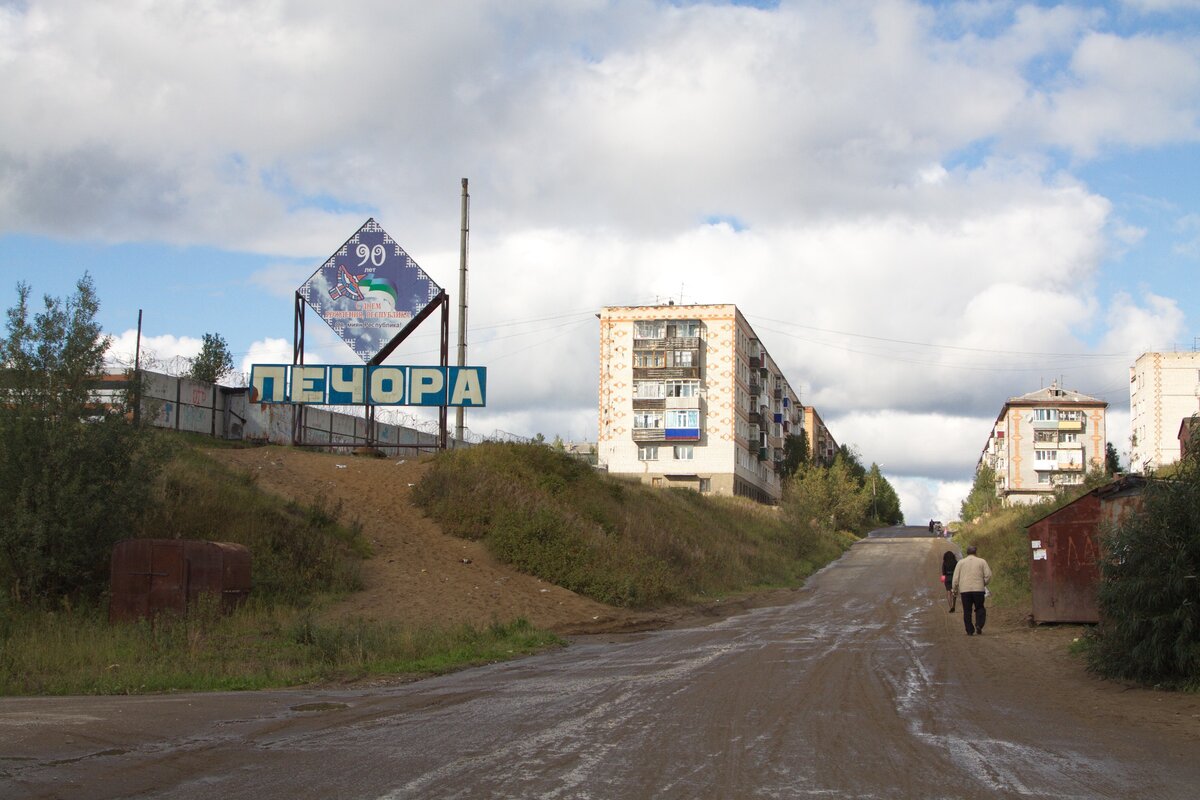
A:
{"points": [[1064, 562], [1064, 551], [150, 576]]}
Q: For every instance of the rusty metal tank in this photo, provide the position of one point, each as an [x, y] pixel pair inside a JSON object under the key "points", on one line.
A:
{"points": [[150, 576]]}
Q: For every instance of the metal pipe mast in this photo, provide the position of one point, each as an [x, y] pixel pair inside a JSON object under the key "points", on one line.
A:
{"points": [[459, 428]]}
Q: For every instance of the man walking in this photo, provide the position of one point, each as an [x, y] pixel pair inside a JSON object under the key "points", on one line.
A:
{"points": [[971, 577]]}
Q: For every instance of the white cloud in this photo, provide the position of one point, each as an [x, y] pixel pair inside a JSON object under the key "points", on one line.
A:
{"points": [[165, 353], [1156, 324], [923, 499], [906, 243]]}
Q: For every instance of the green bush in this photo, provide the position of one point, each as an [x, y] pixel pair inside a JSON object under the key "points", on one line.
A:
{"points": [[297, 551], [1150, 589], [74, 473]]}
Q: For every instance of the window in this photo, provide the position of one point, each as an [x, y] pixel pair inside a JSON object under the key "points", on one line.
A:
{"points": [[649, 329], [1045, 436], [683, 388], [682, 358], [648, 358], [687, 327], [683, 418], [1068, 437], [648, 452], [705, 485], [647, 390], [1045, 414], [1069, 415], [1045, 455], [647, 419], [1043, 478], [684, 452]]}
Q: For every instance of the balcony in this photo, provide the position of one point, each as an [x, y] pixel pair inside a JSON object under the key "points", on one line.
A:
{"points": [[1069, 446], [668, 343], [1045, 424], [1069, 425], [683, 402], [755, 362], [656, 403], [1070, 466], [666, 373], [649, 434]]}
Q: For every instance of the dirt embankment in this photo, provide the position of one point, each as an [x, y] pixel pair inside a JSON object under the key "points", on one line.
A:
{"points": [[421, 576]]}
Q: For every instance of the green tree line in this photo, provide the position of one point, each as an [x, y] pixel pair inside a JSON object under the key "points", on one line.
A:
{"points": [[841, 495]]}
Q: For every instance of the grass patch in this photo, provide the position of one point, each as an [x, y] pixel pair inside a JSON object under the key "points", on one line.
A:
{"points": [[614, 540], [258, 647], [297, 551]]}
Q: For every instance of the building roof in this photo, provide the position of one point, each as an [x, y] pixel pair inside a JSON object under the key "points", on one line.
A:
{"points": [[1055, 395], [1119, 487]]}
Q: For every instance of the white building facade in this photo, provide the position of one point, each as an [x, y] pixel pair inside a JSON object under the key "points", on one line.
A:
{"points": [[689, 397], [1043, 440], [1164, 389]]}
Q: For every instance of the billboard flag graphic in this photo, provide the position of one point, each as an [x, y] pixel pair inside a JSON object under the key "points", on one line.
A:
{"points": [[369, 290]]}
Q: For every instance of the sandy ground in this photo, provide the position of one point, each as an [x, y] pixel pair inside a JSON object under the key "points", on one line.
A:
{"points": [[419, 575]]}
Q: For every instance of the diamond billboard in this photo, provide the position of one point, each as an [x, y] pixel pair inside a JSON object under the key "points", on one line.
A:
{"points": [[369, 290]]}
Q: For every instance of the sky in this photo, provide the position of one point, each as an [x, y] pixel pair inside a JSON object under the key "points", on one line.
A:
{"points": [[922, 208]]}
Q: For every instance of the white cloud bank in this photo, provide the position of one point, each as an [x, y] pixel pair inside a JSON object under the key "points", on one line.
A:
{"points": [[900, 221]]}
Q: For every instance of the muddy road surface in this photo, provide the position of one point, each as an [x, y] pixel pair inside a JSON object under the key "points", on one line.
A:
{"points": [[861, 687]]}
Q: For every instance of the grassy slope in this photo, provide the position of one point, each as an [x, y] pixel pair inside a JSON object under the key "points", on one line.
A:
{"points": [[616, 541]]}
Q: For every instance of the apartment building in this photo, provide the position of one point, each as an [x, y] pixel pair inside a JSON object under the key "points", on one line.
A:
{"points": [[821, 445], [1043, 440], [1164, 389], [690, 397]]}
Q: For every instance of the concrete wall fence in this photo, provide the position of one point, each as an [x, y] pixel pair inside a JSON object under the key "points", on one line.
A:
{"points": [[225, 412]]}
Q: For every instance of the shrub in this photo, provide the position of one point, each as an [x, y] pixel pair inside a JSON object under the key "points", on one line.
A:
{"points": [[74, 474], [1149, 594]]}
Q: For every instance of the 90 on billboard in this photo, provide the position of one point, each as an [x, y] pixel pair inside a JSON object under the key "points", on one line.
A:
{"points": [[358, 385]]}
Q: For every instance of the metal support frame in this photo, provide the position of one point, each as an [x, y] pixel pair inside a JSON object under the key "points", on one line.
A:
{"points": [[442, 301], [299, 414]]}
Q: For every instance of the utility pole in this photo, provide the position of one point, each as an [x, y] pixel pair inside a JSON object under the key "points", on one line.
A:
{"points": [[459, 428]]}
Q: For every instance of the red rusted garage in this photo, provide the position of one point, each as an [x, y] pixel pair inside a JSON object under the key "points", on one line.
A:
{"points": [[1064, 551], [153, 575]]}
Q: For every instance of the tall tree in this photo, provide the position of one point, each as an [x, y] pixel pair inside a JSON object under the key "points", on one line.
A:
{"points": [[74, 471], [1112, 461], [982, 497], [795, 454], [884, 503], [214, 361]]}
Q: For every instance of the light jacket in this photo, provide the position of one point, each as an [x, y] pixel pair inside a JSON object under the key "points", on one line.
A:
{"points": [[971, 574]]}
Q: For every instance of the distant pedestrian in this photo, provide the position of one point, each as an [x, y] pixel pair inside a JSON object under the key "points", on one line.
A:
{"points": [[971, 577], [949, 562], [931, 526]]}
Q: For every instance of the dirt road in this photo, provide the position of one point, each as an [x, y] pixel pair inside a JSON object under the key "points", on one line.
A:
{"points": [[862, 687]]}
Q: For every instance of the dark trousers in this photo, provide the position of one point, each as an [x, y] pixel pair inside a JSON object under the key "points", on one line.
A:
{"points": [[972, 602]]}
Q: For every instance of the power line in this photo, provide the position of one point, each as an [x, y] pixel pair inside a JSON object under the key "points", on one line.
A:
{"points": [[936, 346]]}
